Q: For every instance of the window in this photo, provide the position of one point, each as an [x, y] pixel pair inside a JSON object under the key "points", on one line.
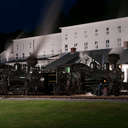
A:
{"points": [[96, 44], [33, 43], [75, 35], [17, 47], [66, 37], [107, 43], [75, 45], [44, 53], [119, 29], [23, 45], [119, 41], [85, 45], [96, 32], [66, 47], [30, 45], [12, 49], [107, 30], [16, 56], [85, 34], [52, 51], [23, 55]]}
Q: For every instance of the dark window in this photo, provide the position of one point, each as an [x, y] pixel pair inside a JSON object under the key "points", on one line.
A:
{"points": [[66, 47], [96, 44], [17, 47], [107, 30], [23, 55], [75, 45], [85, 45], [96, 32], [16, 56], [107, 43], [119, 29]]}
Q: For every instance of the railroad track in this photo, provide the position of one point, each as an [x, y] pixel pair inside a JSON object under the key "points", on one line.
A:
{"points": [[73, 97]]}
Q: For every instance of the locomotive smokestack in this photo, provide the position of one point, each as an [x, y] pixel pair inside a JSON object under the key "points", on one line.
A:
{"points": [[114, 56], [73, 50]]}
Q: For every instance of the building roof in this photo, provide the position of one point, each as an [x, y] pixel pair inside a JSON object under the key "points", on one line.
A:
{"points": [[95, 23], [68, 58]]}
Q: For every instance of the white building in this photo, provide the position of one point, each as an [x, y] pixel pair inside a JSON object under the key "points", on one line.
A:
{"points": [[98, 35], [41, 45]]}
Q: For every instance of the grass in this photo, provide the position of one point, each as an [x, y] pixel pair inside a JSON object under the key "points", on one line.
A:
{"points": [[62, 114]]}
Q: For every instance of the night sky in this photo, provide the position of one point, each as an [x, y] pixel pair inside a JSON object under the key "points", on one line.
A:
{"points": [[28, 15]]}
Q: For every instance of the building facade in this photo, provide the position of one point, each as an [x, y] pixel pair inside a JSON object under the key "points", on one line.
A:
{"points": [[94, 36]]}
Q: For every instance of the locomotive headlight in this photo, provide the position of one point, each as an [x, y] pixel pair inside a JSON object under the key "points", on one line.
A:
{"points": [[42, 79], [120, 66]]}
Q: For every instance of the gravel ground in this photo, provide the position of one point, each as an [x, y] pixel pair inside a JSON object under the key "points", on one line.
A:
{"points": [[67, 99]]}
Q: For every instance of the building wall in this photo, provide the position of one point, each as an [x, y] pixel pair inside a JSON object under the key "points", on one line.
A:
{"points": [[42, 45], [98, 35]]}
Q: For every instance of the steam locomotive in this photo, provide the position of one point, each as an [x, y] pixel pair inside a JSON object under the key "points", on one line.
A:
{"points": [[76, 78]]}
